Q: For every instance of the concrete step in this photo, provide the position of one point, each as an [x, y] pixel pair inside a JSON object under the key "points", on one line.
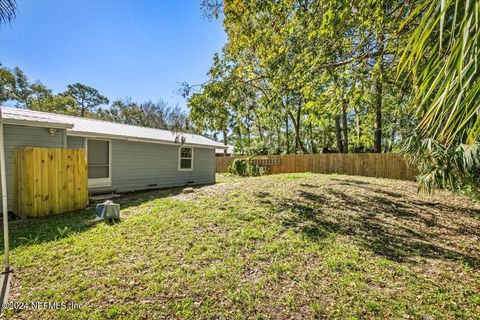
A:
{"points": [[102, 197], [96, 191]]}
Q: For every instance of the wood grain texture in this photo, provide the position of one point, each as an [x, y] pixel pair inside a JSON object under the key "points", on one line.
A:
{"points": [[380, 165], [49, 181]]}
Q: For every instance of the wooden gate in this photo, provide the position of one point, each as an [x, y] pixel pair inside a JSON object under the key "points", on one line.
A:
{"points": [[49, 181]]}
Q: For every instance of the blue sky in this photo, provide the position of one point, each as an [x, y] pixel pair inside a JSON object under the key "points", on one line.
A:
{"points": [[138, 49]]}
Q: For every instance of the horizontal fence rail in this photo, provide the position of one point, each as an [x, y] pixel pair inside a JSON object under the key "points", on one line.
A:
{"points": [[49, 181], [380, 165]]}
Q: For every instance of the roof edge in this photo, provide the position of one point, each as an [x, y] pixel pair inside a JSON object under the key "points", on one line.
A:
{"points": [[129, 138], [33, 123], [92, 119]]}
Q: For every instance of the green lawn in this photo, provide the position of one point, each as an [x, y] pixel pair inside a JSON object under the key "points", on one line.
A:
{"points": [[282, 246]]}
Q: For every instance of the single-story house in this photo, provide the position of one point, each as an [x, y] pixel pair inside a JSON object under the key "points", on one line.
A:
{"points": [[120, 157]]}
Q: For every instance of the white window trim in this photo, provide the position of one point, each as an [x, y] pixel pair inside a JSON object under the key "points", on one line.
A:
{"points": [[100, 182], [180, 159]]}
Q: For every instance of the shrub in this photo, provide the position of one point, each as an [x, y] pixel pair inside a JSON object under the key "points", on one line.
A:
{"points": [[456, 167], [245, 168], [237, 167]]}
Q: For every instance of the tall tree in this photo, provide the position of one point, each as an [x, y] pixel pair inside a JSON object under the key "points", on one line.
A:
{"points": [[314, 71], [147, 114], [22, 92], [7, 85], [16, 87], [42, 98], [87, 97]]}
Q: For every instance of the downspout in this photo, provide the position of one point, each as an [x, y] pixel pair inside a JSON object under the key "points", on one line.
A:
{"points": [[4, 196]]}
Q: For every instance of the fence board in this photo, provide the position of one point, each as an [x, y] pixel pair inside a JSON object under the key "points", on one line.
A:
{"points": [[49, 181], [380, 165]]}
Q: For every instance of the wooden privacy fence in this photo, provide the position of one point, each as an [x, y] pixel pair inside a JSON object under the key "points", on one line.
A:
{"points": [[381, 165], [49, 181]]}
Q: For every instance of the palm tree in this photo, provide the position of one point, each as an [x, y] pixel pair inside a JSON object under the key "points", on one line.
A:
{"points": [[443, 58], [7, 10], [443, 53]]}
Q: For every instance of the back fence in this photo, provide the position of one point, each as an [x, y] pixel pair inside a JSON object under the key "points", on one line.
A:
{"points": [[381, 165], [49, 181]]}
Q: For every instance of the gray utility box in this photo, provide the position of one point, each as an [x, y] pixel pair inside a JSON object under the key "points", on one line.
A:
{"points": [[108, 210]]}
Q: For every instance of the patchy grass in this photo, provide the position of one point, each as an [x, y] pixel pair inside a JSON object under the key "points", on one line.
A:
{"points": [[282, 246]]}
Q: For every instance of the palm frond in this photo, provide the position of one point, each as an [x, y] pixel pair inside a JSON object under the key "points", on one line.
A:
{"points": [[444, 49], [442, 167], [7, 10]]}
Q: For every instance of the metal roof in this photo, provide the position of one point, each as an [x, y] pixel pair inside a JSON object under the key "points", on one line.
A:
{"points": [[229, 149], [23, 116], [77, 126]]}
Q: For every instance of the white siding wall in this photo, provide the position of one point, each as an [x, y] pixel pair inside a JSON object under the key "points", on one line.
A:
{"points": [[23, 136]]}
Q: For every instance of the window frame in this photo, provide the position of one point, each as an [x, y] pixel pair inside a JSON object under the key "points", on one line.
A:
{"points": [[180, 159]]}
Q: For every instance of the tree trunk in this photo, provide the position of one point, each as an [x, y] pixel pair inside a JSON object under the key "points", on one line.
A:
{"points": [[392, 137], [358, 128], [296, 125], [338, 134], [286, 135], [313, 147], [239, 133], [225, 142], [279, 142], [259, 126], [379, 94], [358, 119], [378, 118], [297, 134], [247, 128], [344, 125]]}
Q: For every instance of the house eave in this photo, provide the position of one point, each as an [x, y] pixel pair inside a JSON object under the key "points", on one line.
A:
{"points": [[134, 139], [37, 123]]}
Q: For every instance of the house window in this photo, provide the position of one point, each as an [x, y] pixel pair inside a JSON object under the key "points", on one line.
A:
{"points": [[185, 159]]}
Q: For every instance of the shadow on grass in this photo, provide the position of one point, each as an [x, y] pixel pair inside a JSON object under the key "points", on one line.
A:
{"points": [[40, 230], [395, 226], [139, 197], [351, 182]]}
